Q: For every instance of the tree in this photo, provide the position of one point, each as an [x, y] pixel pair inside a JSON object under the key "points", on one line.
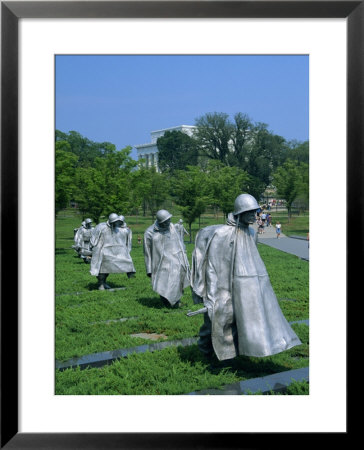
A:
{"points": [[242, 143], [65, 167], [176, 150], [225, 184], [298, 151], [291, 179], [302, 199], [241, 138], [86, 150], [150, 188], [189, 190], [104, 189], [213, 136], [91, 194], [116, 167]]}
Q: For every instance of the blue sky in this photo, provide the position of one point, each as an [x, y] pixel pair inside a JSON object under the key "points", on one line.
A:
{"points": [[121, 99]]}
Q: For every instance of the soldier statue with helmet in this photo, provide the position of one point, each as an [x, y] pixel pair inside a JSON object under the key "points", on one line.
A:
{"points": [[111, 245], [82, 240], [165, 259], [181, 230], [241, 312]]}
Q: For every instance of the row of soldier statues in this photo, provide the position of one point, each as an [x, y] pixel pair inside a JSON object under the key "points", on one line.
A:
{"points": [[242, 315]]}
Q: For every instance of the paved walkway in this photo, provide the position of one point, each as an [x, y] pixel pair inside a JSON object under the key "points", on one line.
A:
{"points": [[295, 246]]}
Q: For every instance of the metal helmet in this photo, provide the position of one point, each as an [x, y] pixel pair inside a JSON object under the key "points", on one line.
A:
{"points": [[122, 218], [113, 217], [88, 221], [163, 215], [244, 202]]}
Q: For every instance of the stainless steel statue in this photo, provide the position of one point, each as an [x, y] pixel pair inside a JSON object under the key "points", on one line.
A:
{"points": [[165, 259], [82, 240], [242, 315], [111, 243], [75, 236], [181, 230]]}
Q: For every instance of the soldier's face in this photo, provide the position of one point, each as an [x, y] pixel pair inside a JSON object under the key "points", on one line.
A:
{"points": [[117, 224], [247, 217], [88, 225], [165, 224]]}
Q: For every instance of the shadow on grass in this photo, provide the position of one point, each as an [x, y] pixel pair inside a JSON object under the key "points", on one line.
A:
{"points": [[62, 251], [94, 286], [152, 302], [242, 366]]}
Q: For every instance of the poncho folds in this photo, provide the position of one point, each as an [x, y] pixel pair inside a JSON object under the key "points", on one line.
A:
{"points": [[111, 249], [82, 240], [230, 277], [166, 260]]}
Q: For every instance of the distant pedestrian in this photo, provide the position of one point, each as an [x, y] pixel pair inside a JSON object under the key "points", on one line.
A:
{"points": [[139, 239], [278, 229], [260, 226], [269, 219], [263, 217]]}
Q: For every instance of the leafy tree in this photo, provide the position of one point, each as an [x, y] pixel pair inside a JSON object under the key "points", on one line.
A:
{"points": [[189, 190], [86, 150], [291, 180], [298, 151], [302, 199], [65, 167], [225, 184], [213, 136], [116, 167], [150, 188], [242, 143], [176, 150], [105, 188], [91, 194], [241, 139]]}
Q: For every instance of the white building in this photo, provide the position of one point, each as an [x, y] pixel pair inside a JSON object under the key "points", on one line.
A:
{"points": [[149, 152]]}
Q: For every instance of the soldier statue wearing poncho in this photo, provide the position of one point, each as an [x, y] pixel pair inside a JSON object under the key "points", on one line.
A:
{"points": [[181, 230], [82, 240], [111, 246], [165, 259], [242, 315]]}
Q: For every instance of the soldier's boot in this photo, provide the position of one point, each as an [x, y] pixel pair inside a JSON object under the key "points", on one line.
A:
{"points": [[165, 302], [204, 342], [102, 281], [106, 286]]}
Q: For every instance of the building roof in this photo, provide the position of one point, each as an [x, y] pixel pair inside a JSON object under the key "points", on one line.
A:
{"points": [[173, 128], [150, 144], [153, 144]]}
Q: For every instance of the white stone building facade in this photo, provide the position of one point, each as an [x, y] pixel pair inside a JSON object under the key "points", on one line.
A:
{"points": [[149, 151]]}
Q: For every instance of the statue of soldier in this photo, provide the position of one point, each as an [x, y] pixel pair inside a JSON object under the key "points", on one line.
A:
{"points": [[181, 230], [165, 260], [242, 314], [75, 246], [111, 246], [82, 239]]}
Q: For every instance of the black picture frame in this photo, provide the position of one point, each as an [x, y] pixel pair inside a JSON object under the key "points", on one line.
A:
{"points": [[11, 12]]}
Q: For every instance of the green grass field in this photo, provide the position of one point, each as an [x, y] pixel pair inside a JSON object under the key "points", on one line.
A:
{"points": [[87, 321]]}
